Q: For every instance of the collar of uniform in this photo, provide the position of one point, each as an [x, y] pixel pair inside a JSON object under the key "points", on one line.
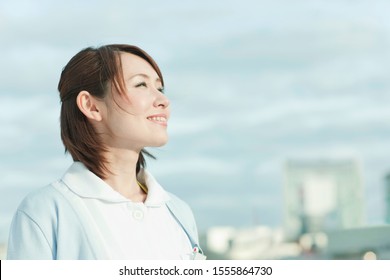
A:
{"points": [[86, 184]]}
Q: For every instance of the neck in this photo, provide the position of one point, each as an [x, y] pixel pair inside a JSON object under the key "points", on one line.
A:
{"points": [[123, 177]]}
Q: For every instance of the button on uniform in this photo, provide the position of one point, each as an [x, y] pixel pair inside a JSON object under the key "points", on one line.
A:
{"points": [[136, 211], [138, 214]]}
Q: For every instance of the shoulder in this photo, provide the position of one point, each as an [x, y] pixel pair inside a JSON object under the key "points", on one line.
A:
{"points": [[178, 202], [44, 226], [183, 213], [45, 194], [49, 208], [43, 201], [181, 210]]}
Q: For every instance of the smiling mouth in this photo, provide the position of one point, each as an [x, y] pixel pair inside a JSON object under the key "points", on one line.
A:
{"points": [[159, 120]]}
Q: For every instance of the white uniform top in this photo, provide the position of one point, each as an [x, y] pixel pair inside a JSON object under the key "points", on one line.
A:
{"points": [[130, 230]]}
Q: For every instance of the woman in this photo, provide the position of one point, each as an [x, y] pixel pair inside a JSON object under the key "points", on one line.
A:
{"points": [[107, 206]]}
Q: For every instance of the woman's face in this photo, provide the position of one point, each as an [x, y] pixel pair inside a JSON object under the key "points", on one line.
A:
{"points": [[140, 118]]}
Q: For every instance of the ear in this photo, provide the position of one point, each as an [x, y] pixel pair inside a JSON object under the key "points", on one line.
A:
{"points": [[88, 105]]}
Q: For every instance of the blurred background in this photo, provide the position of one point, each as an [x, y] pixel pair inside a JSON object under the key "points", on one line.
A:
{"points": [[280, 127]]}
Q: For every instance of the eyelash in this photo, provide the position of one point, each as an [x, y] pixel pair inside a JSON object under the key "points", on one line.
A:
{"points": [[143, 84]]}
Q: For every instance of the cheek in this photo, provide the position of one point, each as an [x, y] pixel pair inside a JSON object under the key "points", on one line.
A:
{"points": [[139, 106]]}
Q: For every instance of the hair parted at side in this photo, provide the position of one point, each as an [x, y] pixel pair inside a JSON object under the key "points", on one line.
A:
{"points": [[93, 70]]}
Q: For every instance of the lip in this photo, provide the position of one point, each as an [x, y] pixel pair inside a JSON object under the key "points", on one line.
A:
{"points": [[159, 122]]}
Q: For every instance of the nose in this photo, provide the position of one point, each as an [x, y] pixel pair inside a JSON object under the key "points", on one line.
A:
{"points": [[161, 100]]}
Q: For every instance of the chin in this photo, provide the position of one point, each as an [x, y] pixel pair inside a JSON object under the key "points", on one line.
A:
{"points": [[159, 142]]}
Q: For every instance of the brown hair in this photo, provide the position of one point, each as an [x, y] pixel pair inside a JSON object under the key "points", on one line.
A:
{"points": [[93, 70]]}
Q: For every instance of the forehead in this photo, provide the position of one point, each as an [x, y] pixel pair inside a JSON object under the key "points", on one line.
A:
{"points": [[135, 65]]}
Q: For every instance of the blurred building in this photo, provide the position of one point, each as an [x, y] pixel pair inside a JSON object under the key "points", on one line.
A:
{"points": [[371, 242], [321, 196], [252, 243], [260, 242]]}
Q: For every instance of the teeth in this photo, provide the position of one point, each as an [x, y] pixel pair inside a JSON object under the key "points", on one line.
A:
{"points": [[158, 119]]}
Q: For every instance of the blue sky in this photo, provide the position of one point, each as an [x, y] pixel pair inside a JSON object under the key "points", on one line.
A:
{"points": [[251, 83]]}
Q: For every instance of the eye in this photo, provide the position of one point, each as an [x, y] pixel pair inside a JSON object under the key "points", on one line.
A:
{"points": [[141, 84], [161, 90]]}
